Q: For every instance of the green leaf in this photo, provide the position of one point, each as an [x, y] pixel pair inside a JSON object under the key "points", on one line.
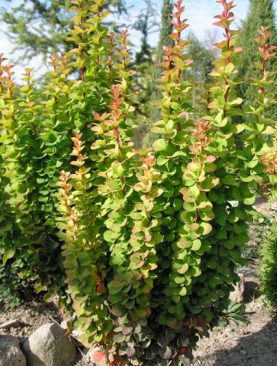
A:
{"points": [[119, 338], [196, 245], [115, 287], [236, 101], [209, 183], [8, 254], [205, 228], [229, 69], [160, 145], [255, 161], [162, 160], [221, 121], [118, 310], [183, 291], [183, 269], [175, 106], [269, 131], [179, 280], [111, 236], [194, 190], [117, 169], [229, 180], [249, 200]]}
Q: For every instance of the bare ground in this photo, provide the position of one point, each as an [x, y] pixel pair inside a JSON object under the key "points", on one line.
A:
{"points": [[254, 344], [251, 344], [31, 316]]}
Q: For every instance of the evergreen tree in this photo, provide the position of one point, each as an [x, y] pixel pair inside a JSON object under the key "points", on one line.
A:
{"points": [[41, 26], [261, 14], [166, 30], [203, 57], [146, 24], [164, 41]]}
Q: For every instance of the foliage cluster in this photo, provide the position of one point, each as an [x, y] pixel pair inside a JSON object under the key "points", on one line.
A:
{"points": [[257, 232], [140, 245], [269, 159], [261, 14], [40, 27], [268, 269], [10, 288]]}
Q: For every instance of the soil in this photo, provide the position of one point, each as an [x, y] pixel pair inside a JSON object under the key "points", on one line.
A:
{"points": [[253, 343], [31, 316]]}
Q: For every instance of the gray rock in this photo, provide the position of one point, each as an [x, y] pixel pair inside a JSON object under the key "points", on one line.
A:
{"points": [[13, 323], [10, 352], [49, 346]]}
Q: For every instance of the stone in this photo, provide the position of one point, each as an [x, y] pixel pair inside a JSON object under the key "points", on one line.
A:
{"points": [[10, 352], [238, 294], [49, 346], [13, 323]]}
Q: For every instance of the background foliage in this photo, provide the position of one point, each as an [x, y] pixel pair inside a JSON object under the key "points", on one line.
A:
{"points": [[268, 271], [261, 14]]}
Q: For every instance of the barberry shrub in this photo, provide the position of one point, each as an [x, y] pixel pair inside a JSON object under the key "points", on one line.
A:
{"points": [[37, 123], [146, 242], [152, 239]]}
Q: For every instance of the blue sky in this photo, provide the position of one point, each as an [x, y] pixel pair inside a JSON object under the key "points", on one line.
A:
{"points": [[199, 13]]}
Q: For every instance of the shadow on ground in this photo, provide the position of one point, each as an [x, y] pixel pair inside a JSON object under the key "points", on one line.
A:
{"points": [[257, 349]]}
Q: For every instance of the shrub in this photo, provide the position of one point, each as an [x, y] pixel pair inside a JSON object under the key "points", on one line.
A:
{"points": [[149, 240], [151, 244], [268, 268], [28, 246], [36, 129]]}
